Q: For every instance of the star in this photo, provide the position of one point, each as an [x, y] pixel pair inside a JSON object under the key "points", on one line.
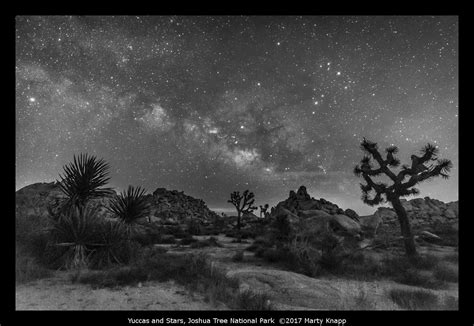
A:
{"points": [[212, 104]]}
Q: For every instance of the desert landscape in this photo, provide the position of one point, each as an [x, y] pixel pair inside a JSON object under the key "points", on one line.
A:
{"points": [[370, 273], [236, 163]]}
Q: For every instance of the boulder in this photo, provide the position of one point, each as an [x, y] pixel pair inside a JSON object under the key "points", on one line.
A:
{"points": [[313, 213], [352, 214], [385, 214], [347, 224], [370, 223], [289, 290], [429, 236]]}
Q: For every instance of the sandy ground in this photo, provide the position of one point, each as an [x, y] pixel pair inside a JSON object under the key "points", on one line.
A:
{"points": [[58, 293]]}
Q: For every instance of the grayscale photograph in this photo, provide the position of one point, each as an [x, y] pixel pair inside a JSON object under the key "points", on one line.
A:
{"points": [[236, 162]]}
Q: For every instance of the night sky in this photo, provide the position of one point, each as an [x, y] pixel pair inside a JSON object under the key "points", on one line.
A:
{"points": [[213, 104]]}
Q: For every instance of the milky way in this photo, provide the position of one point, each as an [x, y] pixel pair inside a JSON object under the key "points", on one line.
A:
{"points": [[213, 104]]}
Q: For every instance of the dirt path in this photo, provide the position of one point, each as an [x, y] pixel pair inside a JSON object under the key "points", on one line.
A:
{"points": [[58, 293]]}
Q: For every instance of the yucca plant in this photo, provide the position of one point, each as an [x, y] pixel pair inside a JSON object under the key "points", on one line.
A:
{"points": [[76, 232], [112, 245], [129, 206], [84, 179]]}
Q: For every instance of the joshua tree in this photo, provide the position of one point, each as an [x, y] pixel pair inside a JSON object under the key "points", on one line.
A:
{"points": [[263, 210], [129, 206], [416, 173], [243, 204]]}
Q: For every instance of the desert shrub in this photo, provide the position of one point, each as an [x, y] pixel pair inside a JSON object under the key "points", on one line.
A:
{"points": [[181, 234], [260, 252], [194, 227], [424, 262], [453, 258], [187, 240], [249, 233], [449, 236], [238, 256], [259, 242], [272, 255], [280, 230], [219, 223], [167, 239], [445, 274], [211, 242], [359, 266], [147, 238], [27, 268], [28, 226], [451, 303], [248, 300], [395, 264], [413, 277], [414, 299], [235, 234]]}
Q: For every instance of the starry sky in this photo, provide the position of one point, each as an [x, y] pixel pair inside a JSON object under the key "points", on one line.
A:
{"points": [[213, 104]]}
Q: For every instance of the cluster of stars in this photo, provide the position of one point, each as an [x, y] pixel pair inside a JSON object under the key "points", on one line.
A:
{"points": [[212, 104]]}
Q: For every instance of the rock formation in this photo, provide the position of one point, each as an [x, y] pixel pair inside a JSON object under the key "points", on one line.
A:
{"points": [[175, 207], [301, 206], [422, 211]]}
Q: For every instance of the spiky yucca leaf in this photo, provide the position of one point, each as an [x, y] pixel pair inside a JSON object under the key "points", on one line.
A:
{"points": [[84, 179], [112, 246], [368, 146], [430, 151], [446, 166], [357, 171], [395, 162], [392, 149], [365, 160], [130, 205], [75, 231]]}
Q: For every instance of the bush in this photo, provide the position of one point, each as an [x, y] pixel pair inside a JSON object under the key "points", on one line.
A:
{"points": [[194, 227], [280, 230], [446, 274], [414, 277], [147, 238], [239, 256], [27, 268], [414, 300], [453, 258], [424, 262], [187, 240], [211, 242], [248, 300], [167, 239], [449, 236], [260, 251], [272, 255]]}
